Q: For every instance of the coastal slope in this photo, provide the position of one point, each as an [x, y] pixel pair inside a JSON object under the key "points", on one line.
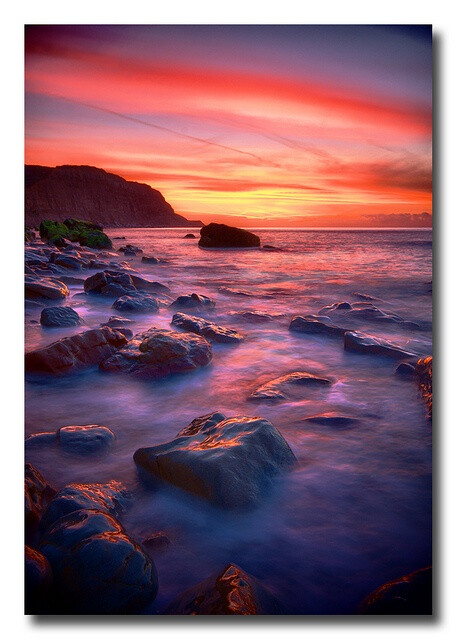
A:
{"points": [[97, 196]]}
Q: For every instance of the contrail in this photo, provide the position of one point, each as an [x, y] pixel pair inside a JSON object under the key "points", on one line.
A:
{"points": [[167, 129]]}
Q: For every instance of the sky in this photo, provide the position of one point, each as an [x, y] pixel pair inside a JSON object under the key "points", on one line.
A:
{"points": [[264, 125]]}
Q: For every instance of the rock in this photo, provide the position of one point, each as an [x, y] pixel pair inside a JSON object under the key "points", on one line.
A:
{"points": [[130, 247], [102, 283], [69, 280], [37, 581], [111, 497], [129, 252], [70, 262], [364, 343], [189, 235], [119, 237], [257, 316], [158, 352], [330, 419], [230, 592], [367, 311], [38, 495], [222, 236], [229, 291], [137, 303], [424, 375], [409, 595], [74, 224], [30, 236], [85, 439], [278, 389], [60, 317], [405, 370], [335, 307], [270, 247], [157, 541], [75, 352], [147, 285], [209, 330], [364, 296], [117, 321], [97, 567], [230, 462], [49, 288], [316, 324], [150, 260], [193, 301]]}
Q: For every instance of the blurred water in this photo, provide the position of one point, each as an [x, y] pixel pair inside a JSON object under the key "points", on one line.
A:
{"points": [[357, 509]]}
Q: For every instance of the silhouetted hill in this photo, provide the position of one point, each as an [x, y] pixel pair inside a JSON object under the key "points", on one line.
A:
{"points": [[97, 196]]}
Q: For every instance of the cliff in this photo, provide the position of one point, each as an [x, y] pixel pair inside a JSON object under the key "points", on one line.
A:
{"points": [[96, 196]]}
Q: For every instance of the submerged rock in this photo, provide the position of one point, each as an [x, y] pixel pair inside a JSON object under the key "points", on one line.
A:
{"points": [[232, 592], [405, 370], [130, 247], [332, 420], [60, 317], [156, 541], [44, 287], [38, 494], [363, 343], [75, 352], [367, 311], [257, 316], [97, 567], [409, 595], [209, 330], [192, 301], [230, 462], [37, 581], [315, 324], [279, 388], [189, 235], [81, 440], [219, 236], [158, 352], [136, 303], [424, 374], [150, 260]]}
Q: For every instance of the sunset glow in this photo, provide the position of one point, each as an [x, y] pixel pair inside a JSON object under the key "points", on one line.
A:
{"points": [[299, 126]]}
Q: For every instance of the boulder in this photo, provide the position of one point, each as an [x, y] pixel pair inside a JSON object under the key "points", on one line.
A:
{"points": [[210, 330], [229, 462], [220, 236], [231, 592], [364, 343], [45, 287], [71, 262], [189, 235], [316, 324], [424, 375], [130, 247], [136, 303], [109, 283], [75, 352], [37, 581], [81, 440], [158, 352], [279, 388], [193, 301], [405, 370], [409, 595], [38, 494], [97, 567], [147, 285], [150, 260], [60, 317]]}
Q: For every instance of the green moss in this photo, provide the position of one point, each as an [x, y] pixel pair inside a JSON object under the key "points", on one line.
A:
{"points": [[95, 239], [81, 225], [87, 234]]}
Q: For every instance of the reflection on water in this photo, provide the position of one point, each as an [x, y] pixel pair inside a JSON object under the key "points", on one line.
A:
{"points": [[356, 511]]}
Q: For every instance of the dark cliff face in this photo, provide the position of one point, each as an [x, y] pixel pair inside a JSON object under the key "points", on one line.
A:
{"points": [[96, 196]]}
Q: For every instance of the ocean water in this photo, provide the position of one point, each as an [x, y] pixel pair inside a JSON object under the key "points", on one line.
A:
{"points": [[356, 510]]}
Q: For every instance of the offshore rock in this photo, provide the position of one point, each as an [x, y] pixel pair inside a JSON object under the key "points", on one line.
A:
{"points": [[315, 324], [209, 330], [193, 301], [220, 236], [279, 388], [364, 343]]}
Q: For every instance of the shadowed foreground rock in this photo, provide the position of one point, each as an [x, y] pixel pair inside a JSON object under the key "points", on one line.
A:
{"points": [[424, 374], [279, 388], [363, 343], [220, 236], [43, 287], [205, 328], [80, 440], [38, 494], [409, 595], [75, 352], [37, 580], [158, 352], [233, 592], [230, 462]]}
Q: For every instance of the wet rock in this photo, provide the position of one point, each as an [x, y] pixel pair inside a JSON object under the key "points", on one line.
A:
{"points": [[38, 494], [45, 287], [130, 247], [149, 286], [230, 592], [316, 324], [364, 296], [270, 247], [424, 375], [81, 440], [60, 317], [37, 581], [230, 462], [209, 330], [97, 567], [158, 352], [111, 497], [405, 370], [41, 439], [111, 283], [137, 303], [364, 343], [70, 262], [279, 388], [117, 321], [229, 291], [335, 307], [221, 236], [189, 235], [119, 238], [257, 316], [367, 311], [330, 419], [193, 301], [75, 352], [69, 280], [150, 260], [157, 541], [409, 595]]}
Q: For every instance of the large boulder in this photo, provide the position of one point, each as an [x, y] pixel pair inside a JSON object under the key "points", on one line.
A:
{"points": [[193, 301], [220, 236], [136, 303], [424, 375], [279, 388], [364, 343], [37, 494], [75, 352], [80, 440], [37, 581], [209, 330], [45, 287], [409, 595], [97, 567], [158, 352], [231, 592], [60, 317], [230, 462]]}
